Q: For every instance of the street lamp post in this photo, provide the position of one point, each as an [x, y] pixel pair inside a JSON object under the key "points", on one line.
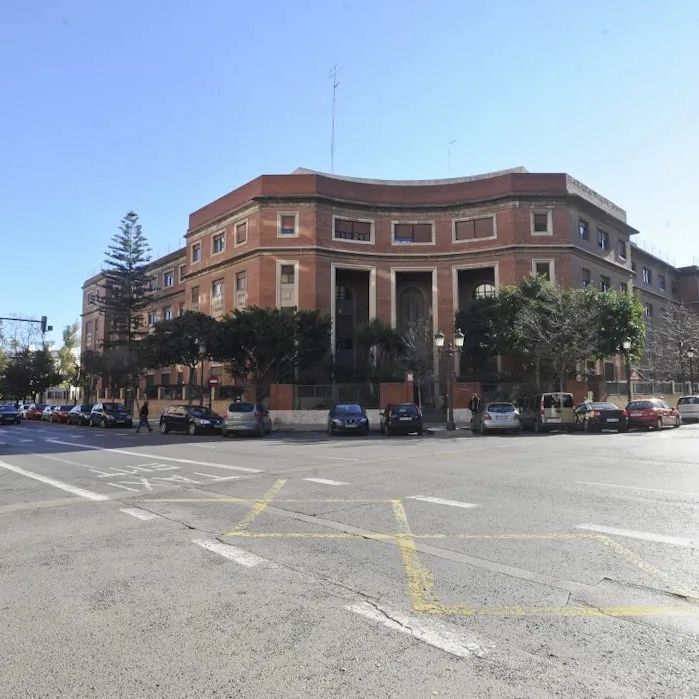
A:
{"points": [[690, 356], [626, 346], [202, 354], [451, 351]]}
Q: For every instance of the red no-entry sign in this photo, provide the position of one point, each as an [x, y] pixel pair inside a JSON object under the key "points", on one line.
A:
{"points": [[213, 381]]}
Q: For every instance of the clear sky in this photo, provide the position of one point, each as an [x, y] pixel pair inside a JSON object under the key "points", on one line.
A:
{"points": [[161, 107]]}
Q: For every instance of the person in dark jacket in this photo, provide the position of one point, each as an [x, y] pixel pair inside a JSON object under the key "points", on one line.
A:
{"points": [[143, 417], [475, 403]]}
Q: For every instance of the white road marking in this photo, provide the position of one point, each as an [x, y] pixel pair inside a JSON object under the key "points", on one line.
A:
{"points": [[433, 633], [633, 487], [26, 440], [216, 478], [645, 536], [232, 553], [139, 514], [56, 484], [158, 456], [442, 501], [325, 481]]}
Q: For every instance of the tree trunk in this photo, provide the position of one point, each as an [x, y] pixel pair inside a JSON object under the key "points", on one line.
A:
{"points": [[537, 371]]}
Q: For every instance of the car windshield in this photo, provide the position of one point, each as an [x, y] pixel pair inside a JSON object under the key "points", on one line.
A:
{"points": [[500, 408], [66, 407], [641, 405], [241, 407], [348, 409], [603, 406], [113, 407], [6, 409], [404, 410], [84, 408], [201, 412], [689, 400], [558, 400]]}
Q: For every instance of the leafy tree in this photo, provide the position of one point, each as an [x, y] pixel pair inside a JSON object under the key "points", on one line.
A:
{"points": [[17, 376], [481, 318], [44, 372], [67, 363], [621, 318], [91, 368], [177, 341], [383, 348]]}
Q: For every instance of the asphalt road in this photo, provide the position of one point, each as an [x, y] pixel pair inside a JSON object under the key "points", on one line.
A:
{"points": [[303, 566]]}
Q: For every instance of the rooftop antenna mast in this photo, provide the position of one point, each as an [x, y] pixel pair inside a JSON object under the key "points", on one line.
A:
{"points": [[333, 74], [449, 145]]}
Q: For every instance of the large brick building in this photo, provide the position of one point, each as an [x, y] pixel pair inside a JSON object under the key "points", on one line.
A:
{"points": [[397, 250]]}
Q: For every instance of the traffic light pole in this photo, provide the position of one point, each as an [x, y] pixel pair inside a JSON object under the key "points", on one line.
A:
{"points": [[43, 323]]}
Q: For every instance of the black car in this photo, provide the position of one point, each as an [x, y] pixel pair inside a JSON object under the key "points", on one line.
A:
{"points": [[401, 418], [192, 419], [9, 415], [595, 417], [79, 415], [110, 415], [348, 417]]}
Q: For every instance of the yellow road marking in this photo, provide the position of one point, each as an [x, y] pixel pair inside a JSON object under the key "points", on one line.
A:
{"points": [[516, 611], [258, 508], [420, 583], [233, 498]]}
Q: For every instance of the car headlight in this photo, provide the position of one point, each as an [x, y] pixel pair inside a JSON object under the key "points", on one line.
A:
{"points": [[336, 421]]}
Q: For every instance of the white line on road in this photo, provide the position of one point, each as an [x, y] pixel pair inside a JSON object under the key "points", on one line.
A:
{"points": [[325, 481], [645, 536], [633, 487], [433, 633], [442, 501], [139, 514], [244, 558], [26, 440], [158, 456], [56, 484]]}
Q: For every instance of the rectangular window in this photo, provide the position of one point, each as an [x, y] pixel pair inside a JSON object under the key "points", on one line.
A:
{"points": [[646, 276], [541, 222], [241, 233], [240, 281], [181, 309], [602, 239], [633, 267], [196, 252], [195, 295], [165, 379], [88, 334], [182, 271], [586, 277], [287, 224], [287, 274], [169, 278], [674, 289], [661, 282], [474, 228], [180, 378], [648, 310], [583, 229], [167, 313], [218, 243], [152, 284], [623, 288], [217, 289], [543, 269], [346, 229], [605, 283], [608, 371], [412, 233], [152, 318], [621, 249]]}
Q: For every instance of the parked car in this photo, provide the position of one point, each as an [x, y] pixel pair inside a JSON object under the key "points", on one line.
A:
{"points": [[190, 418], [35, 411], [9, 415], [60, 413], [79, 415], [23, 409], [401, 418], [496, 417], [547, 411], [47, 412], [652, 413], [595, 417], [247, 418], [688, 408], [348, 417], [109, 415]]}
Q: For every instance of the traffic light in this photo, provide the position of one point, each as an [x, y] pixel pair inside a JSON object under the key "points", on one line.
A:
{"points": [[44, 326]]}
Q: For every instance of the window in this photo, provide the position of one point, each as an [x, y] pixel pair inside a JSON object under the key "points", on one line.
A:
{"points": [[181, 309], [152, 318], [217, 290], [633, 267], [586, 277], [167, 313], [286, 224], [240, 281], [165, 379], [608, 371], [543, 269], [88, 334], [583, 229], [541, 222], [169, 278], [661, 282], [646, 276], [483, 290], [412, 233], [673, 288], [91, 299], [605, 283], [180, 378], [602, 239], [241, 233], [648, 310], [623, 288], [346, 229], [287, 274], [218, 243], [195, 296], [152, 284], [196, 252], [621, 249], [182, 271], [474, 228]]}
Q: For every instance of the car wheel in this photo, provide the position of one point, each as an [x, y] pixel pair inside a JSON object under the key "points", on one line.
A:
{"points": [[164, 428], [103, 423], [586, 427], [192, 429], [420, 432], [659, 424]]}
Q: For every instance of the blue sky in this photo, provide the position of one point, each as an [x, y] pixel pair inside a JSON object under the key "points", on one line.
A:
{"points": [[161, 107]]}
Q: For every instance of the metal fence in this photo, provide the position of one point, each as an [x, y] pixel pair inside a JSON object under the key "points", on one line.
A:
{"points": [[649, 388], [324, 396]]}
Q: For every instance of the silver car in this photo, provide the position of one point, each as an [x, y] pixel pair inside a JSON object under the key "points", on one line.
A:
{"points": [[688, 408], [496, 417], [247, 418]]}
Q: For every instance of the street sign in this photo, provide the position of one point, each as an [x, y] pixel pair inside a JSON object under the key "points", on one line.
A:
{"points": [[213, 381], [635, 376], [409, 377]]}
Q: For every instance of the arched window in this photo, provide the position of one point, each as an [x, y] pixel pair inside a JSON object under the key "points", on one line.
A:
{"points": [[411, 307], [483, 290]]}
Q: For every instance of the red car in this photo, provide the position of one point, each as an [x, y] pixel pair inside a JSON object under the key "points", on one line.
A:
{"points": [[652, 413], [60, 414], [35, 411]]}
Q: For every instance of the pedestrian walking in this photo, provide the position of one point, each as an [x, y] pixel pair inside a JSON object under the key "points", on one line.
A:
{"points": [[475, 403], [143, 417]]}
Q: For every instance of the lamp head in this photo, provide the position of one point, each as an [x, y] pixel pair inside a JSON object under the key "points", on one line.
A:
{"points": [[459, 338], [439, 339]]}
